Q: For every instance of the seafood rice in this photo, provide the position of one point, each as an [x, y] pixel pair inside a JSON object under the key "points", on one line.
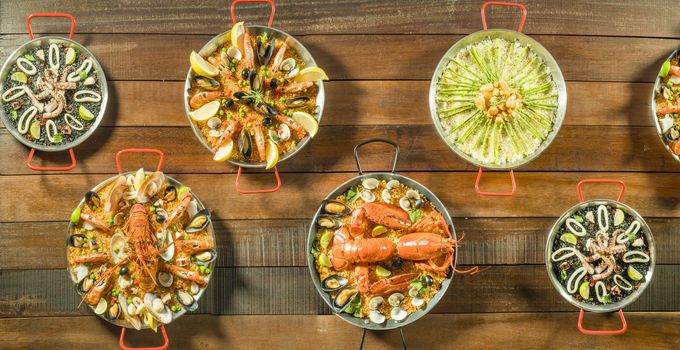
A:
{"points": [[666, 102]]}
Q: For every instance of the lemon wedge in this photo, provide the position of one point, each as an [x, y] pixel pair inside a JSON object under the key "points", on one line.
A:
{"points": [[634, 274], [569, 238], [618, 217], [236, 31], [20, 77], [101, 307], [382, 272], [70, 56], [206, 112], [584, 290], [272, 154], [325, 240], [311, 74], [324, 261], [307, 121], [378, 230], [85, 113], [223, 153], [201, 66], [35, 130]]}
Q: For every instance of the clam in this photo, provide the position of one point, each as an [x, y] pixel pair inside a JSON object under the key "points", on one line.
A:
{"points": [[84, 285], [404, 203], [133, 320], [296, 102], [398, 314], [256, 83], [194, 288], [417, 302], [344, 298], [367, 196], [376, 317], [392, 184], [245, 144], [205, 257], [412, 194], [157, 309], [234, 53], [375, 302], [150, 187], [165, 279], [370, 183], [77, 240], [336, 208], [118, 247], [205, 83], [386, 196], [288, 65], [192, 208], [170, 193], [333, 283], [119, 219], [395, 299], [80, 272], [214, 123], [199, 221], [124, 282], [328, 221], [113, 312], [114, 196], [168, 253], [92, 200], [214, 133], [413, 292], [186, 299], [283, 132]]}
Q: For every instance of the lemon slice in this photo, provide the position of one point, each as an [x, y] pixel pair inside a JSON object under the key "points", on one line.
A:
{"points": [[634, 274], [382, 272], [325, 240], [35, 130], [307, 121], [236, 31], [378, 230], [101, 307], [20, 77], [223, 153], [201, 66], [665, 68], [75, 216], [85, 113], [584, 290], [70, 56], [311, 74], [569, 238], [324, 260], [618, 217], [272, 154], [206, 112]]}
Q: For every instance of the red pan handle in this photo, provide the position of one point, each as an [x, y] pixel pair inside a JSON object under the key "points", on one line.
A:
{"points": [[271, 16], [585, 181], [140, 150], [624, 326], [51, 168], [497, 194], [270, 190], [500, 3], [51, 14], [162, 347]]}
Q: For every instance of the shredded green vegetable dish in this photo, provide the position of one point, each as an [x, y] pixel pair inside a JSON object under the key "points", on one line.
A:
{"points": [[497, 101]]}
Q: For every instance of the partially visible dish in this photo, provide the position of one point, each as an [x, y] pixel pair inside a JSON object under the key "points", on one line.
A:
{"points": [[666, 104]]}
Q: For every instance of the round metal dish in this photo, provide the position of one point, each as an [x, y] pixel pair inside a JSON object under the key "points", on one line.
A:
{"points": [[657, 121], [512, 36], [363, 322], [255, 30], [96, 67], [552, 236], [200, 206]]}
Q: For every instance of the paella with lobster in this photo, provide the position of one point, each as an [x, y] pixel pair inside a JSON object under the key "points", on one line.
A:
{"points": [[253, 98], [382, 250], [140, 249], [667, 101]]}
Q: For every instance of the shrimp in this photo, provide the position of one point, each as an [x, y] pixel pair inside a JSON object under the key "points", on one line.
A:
{"points": [[298, 86], [203, 97], [248, 56], [279, 58], [233, 127]]}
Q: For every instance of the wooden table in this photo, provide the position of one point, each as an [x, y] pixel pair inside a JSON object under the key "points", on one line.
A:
{"points": [[380, 56]]}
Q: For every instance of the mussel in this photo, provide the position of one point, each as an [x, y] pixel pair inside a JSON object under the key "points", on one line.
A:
{"points": [[672, 134], [265, 109], [113, 312], [245, 144], [333, 283], [199, 221], [264, 53], [328, 221], [205, 257], [84, 285], [186, 299], [170, 193], [92, 200], [336, 208], [205, 83], [241, 95], [344, 298], [76, 240], [256, 82], [297, 102]]}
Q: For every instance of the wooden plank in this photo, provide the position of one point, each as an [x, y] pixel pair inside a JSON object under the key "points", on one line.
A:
{"points": [[257, 243], [51, 198], [636, 149], [627, 18], [375, 57], [287, 290]]}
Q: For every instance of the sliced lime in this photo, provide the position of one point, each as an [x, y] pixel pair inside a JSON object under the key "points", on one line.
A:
{"points": [[325, 240], [75, 216], [324, 260], [584, 290], [20, 77], [665, 68], [382, 272], [70, 55], [183, 192], [101, 307], [378, 230], [569, 238], [35, 130], [634, 274], [618, 217], [85, 113]]}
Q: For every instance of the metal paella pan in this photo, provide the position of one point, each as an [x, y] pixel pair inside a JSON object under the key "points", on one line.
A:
{"points": [[600, 255], [54, 93], [498, 98], [140, 248], [379, 282]]}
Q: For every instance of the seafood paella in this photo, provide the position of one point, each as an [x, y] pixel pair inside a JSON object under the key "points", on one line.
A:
{"points": [[496, 101], [667, 101], [601, 254], [253, 98], [140, 249], [382, 250], [52, 94]]}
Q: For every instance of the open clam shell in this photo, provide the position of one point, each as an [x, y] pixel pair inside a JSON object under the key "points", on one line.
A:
{"points": [[158, 310], [199, 222]]}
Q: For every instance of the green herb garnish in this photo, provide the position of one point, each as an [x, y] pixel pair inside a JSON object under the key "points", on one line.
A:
{"points": [[352, 194], [415, 215]]}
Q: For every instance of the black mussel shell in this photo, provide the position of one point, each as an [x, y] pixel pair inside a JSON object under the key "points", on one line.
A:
{"points": [[186, 300], [265, 53], [328, 221], [92, 200], [113, 312], [84, 285], [199, 221], [245, 144], [297, 102], [396, 264], [205, 257], [256, 83], [245, 73], [336, 208], [76, 240], [170, 193], [672, 134], [228, 103], [265, 109], [267, 121], [333, 283], [242, 95], [205, 83], [274, 83], [344, 298], [429, 280]]}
